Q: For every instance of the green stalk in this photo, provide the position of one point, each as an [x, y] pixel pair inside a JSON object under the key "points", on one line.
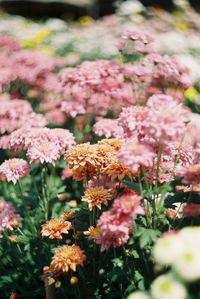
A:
{"points": [[44, 191], [27, 214]]}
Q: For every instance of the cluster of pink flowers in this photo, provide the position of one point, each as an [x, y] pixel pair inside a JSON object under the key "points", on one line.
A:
{"points": [[42, 144], [8, 43], [146, 130], [26, 65], [115, 224], [13, 169], [8, 217], [16, 113]]}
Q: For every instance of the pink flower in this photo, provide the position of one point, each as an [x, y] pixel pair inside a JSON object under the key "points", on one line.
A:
{"points": [[134, 120], [106, 127], [135, 155], [43, 152], [13, 169], [8, 217], [163, 125], [66, 173], [113, 230], [128, 204], [42, 144], [190, 174], [140, 36], [192, 209]]}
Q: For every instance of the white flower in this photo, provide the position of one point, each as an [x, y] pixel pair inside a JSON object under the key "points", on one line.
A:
{"points": [[167, 287], [138, 295], [187, 264], [167, 249]]}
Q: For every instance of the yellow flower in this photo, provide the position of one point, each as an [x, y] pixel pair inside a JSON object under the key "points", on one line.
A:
{"points": [[85, 21], [191, 93], [38, 38]]}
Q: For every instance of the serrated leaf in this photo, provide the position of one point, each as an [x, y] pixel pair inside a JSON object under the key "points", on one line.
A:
{"points": [[148, 236]]}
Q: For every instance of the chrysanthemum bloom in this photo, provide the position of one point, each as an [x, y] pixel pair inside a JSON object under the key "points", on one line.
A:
{"points": [[166, 286], [83, 160], [55, 227], [128, 204], [105, 127], [8, 217], [96, 196], [92, 232], [13, 169], [116, 170], [67, 257], [68, 214], [43, 153], [135, 155], [190, 174], [114, 230]]}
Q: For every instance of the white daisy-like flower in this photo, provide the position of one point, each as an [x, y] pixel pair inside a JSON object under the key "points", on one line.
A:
{"points": [[167, 287], [138, 295], [167, 249], [187, 264]]}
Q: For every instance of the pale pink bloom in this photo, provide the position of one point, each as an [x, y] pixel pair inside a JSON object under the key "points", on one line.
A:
{"points": [[135, 156], [5, 142], [128, 204], [134, 120], [56, 116], [66, 173], [143, 48], [140, 36], [163, 125], [13, 169], [103, 181], [8, 217], [105, 127], [113, 230], [191, 209], [43, 152], [62, 138], [73, 108], [9, 43], [190, 174]]}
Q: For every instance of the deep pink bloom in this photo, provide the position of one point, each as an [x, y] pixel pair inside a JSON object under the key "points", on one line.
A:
{"points": [[13, 169]]}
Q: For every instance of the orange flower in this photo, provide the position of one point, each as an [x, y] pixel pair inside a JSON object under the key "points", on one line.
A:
{"points": [[67, 257], [82, 159], [55, 227], [116, 170], [13, 238], [92, 232], [112, 142], [96, 196], [61, 196], [68, 214]]}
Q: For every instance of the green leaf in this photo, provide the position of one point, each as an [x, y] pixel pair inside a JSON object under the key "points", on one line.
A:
{"points": [[133, 186], [148, 236]]}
